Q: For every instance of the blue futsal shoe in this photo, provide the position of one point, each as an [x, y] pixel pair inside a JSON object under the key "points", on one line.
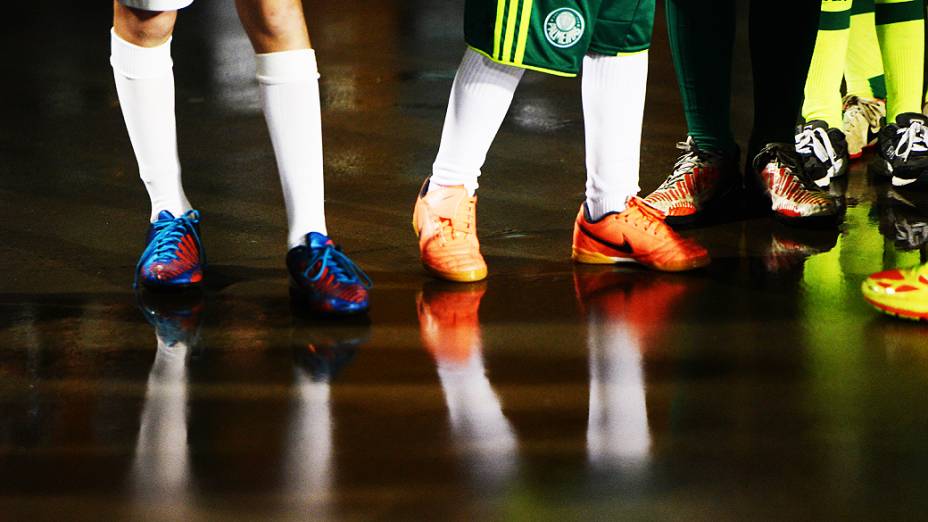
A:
{"points": [[174, 256], [325, 279]]}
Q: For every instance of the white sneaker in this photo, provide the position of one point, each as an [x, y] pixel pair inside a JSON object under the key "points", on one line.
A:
{"points": [[862, 122]]}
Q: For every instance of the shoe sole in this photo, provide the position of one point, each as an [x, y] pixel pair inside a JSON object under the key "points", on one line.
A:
{"points": [[896, 312], [819, 221], [828, 221], [471, 276], [919, 183], [595, 258], [709, 210], [300, 300], [170, 289]]}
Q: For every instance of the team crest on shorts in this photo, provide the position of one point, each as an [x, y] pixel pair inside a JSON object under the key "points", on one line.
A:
{"points": [[564, 27]]}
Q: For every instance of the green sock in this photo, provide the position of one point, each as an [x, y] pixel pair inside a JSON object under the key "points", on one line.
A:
{"points": [[900, 28], [823, 86], [863, 69], [701, 34]]}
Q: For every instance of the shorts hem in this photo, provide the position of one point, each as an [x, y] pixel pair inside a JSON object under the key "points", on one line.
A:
{"points": [[156, 5], [615, 52], [529, 67]]}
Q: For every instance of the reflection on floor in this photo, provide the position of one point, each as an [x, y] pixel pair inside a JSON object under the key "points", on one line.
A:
{"points": [[762, 387]]}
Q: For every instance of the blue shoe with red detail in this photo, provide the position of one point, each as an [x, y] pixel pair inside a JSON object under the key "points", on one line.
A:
{"points": [[325, 279], [174, 257]]}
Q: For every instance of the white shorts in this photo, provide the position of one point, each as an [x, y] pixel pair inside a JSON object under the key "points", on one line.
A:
{"points": [[156, 5]]}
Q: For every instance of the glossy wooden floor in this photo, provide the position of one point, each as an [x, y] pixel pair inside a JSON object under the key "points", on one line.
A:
{"points": [[761, 388]]}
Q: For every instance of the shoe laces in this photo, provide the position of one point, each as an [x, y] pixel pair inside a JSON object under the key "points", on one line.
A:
{"points": [[815, 140], [691, 158], [913, 138], [330, 259], [654, 218], [165, 235], [448, 231]]}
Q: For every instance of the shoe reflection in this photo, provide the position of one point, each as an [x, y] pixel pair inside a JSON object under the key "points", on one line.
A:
{"points": [[904, 218], [791, 246], [450, 329], [622, 309], [321, 350], [161, 467]]}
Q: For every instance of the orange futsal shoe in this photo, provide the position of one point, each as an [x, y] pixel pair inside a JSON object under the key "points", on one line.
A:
{"points": [[445, 219], [639, 235]]}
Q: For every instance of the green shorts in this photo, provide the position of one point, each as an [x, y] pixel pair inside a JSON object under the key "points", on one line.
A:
{"points": [[553, 35]]}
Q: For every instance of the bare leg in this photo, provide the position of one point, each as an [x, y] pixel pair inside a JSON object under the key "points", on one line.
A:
{"points": [[143, 28], [274, 25]]}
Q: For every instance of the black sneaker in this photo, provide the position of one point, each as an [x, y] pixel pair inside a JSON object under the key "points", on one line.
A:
{"points": [[823, 151], [904, 148]]}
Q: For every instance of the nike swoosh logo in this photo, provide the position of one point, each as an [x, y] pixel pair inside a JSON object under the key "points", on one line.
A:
{"points": [[624, 247]]}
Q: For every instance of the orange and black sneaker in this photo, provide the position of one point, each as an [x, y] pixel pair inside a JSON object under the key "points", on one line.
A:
{"points": [[638, 234], [699, 179]]}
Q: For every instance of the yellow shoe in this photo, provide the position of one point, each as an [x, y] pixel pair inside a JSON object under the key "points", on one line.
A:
{"points": [[899, 292], [445, 219]]}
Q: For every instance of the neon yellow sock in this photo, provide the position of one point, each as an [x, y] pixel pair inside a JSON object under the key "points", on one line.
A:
{"points": [[863, 70], [823, 86], [900, 27]]}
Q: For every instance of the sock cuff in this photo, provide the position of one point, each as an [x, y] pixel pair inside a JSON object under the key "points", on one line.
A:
{"points": [[600, 206], [448, 176], [296, 66], [612, 71], [478, 69], [137, 62]]}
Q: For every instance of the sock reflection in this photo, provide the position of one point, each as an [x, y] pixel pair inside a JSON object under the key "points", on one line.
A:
{"points": [[161, 468], [320, 352], [622, 309], [450, 330]]}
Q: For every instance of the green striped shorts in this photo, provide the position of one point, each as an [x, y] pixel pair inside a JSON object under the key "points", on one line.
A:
{"points": [[553, 35]]}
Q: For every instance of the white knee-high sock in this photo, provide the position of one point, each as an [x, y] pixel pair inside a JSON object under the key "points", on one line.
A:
{"points": [[145, 85], [613, 111], [289, 85], [480, 98]]}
